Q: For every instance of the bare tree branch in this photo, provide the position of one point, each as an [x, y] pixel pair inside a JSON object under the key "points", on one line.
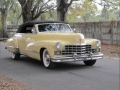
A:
{"points": [[34, 8]]}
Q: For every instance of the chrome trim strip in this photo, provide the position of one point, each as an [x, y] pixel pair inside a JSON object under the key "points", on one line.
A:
{"points": [[34, 51], [11, 47], [77, 58], [15, 49]]}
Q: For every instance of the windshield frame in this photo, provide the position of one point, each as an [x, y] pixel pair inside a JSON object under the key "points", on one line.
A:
{"points": [[54, 23]]}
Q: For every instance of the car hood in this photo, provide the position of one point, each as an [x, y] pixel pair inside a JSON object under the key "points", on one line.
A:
{"points": [[72, 38]]}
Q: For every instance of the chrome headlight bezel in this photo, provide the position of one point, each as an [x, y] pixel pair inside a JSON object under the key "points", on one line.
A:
{"points": [[98, 43], [58, 45]]}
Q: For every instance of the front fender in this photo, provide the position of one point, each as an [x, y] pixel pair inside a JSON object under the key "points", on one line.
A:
{"points": [[36, 46], [92, 42]]}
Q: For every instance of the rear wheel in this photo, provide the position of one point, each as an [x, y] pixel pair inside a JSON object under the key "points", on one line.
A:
{"points": [[90, 63], [15, 56], [46, 60]]}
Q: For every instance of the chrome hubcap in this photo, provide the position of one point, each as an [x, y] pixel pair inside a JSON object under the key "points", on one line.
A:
{"points": [[13, 55], [46, 58]]}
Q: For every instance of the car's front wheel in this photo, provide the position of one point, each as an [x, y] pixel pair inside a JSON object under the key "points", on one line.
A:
{"points": [[47, 60], [90, 63], [15, 56]]}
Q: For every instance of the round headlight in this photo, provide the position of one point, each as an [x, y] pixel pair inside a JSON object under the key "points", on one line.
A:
{"points": [[58, 45], [98, 43]]}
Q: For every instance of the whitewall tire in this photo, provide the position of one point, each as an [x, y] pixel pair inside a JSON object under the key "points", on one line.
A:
{"points": [[47, 60], [15, 56]]}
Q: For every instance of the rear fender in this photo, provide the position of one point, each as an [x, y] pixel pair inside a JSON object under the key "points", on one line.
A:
{"points": [[12, 45]]}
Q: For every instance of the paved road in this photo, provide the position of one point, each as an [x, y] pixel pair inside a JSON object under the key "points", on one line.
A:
{"points": [[104, 75]]}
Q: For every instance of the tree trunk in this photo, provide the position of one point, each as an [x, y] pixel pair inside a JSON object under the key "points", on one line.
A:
{"points": [[61, 10], [61, 15], [3, 19], [26, 15], [26, 9]]}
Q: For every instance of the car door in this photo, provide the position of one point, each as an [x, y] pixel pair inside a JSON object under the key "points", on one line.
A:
{"points": [[30, 37], [30, 48], [25, 37]]}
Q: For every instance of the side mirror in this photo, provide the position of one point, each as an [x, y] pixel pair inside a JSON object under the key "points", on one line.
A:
{"points": [[33, 30]]}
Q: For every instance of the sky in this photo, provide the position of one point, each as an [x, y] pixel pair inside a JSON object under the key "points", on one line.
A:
{"points": [[99, 6]]}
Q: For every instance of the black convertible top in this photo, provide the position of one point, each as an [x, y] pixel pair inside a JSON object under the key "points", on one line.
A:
{"points": [[31, 23], [40, 21]]}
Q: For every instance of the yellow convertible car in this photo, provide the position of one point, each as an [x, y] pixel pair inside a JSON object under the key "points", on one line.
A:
{"points": [[53, 42]]}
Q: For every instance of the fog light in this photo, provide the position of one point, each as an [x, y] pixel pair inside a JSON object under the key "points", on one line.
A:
{"points": [[98, 50], [57, 52]]}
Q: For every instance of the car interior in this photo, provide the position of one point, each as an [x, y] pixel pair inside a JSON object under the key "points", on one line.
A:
{"points": [[26, 29]]}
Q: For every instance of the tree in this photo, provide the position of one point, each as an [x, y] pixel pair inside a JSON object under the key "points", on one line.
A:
{"points": [[84, 10], [109, 5], [15, 12], [48, 15], [32, 9], [62, 8], [4, 7], [89, 10]]}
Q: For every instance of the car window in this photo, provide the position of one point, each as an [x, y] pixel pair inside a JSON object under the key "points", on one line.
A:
{"points": [[28, 30], [54, 27], [34, 30]]}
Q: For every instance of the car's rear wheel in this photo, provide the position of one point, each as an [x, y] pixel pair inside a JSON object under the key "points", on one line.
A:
{"points": [[90, 63], [47, 60], [15, 56]]}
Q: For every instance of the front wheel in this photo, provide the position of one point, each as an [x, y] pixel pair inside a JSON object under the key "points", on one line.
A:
{"points": [[46, 60], [90, 63], [15, 56]]}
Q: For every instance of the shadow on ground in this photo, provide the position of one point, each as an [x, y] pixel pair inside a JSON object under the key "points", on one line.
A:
{"points": [[59, 66]]}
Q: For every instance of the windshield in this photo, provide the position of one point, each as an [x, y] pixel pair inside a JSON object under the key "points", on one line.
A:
{"points": [[54, 27]]}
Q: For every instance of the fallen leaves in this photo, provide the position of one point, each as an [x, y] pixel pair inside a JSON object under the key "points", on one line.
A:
{"points": [[10, 84]]}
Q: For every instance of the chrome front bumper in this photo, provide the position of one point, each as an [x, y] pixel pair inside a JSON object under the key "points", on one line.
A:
{"points": [[77, 58]]}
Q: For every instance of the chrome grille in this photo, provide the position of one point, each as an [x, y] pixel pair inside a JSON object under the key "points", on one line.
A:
{"points": [[78, 49]]}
